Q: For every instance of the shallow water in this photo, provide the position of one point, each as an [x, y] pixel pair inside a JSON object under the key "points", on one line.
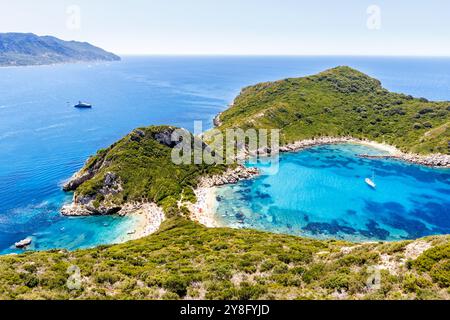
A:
{"points": [[44, 140], [321, 192]]}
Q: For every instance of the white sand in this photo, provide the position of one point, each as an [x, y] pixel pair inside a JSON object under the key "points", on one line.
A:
{"points": [[380, 146], [204, 210], [148, 218]]}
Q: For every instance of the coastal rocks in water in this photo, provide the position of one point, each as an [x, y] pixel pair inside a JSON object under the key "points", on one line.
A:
{"points": [[434, 160], [74, 210], [154, 211], [228, 177], [202, 210], [23, 243]]}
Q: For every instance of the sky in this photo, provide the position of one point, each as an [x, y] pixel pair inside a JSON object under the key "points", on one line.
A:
{"points": [[240, 27]]}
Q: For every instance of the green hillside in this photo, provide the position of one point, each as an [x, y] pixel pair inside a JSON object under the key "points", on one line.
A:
{"points": [[186, 260], [339, 102]]}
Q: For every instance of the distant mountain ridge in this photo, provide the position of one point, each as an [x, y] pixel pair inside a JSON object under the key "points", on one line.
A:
{"points": [[22, 49]]}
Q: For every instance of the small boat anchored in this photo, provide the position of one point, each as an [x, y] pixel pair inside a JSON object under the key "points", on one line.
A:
{"points": [[23, 243], [370, 182], [83, 105]]}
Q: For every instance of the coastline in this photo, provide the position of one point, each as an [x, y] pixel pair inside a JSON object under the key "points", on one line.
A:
{"points": [[432, 160], [203, 211], [148, 218]]}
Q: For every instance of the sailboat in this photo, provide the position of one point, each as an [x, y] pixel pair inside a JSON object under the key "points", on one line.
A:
{"points": [[370, 181]]}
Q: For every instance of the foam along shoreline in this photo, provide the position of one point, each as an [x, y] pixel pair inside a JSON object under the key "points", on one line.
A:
{"points": [[433, 160]]}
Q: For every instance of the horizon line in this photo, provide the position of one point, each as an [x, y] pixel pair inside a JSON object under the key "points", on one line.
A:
{"points": [[281, 55]]}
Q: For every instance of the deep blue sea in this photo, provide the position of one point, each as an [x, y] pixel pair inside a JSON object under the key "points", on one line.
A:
{"points": [[44, 140]]}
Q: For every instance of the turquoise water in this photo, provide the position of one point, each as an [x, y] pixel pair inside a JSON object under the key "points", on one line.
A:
{"points": [[320, 192], [43, 140]]}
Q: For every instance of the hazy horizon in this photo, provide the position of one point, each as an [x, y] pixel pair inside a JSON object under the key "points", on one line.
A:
{"points": [[236, 28]]}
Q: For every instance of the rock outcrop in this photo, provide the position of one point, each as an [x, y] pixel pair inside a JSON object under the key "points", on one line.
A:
{"points": [[228, 177], [84, 205], [84, 175], [79, 210], [216, 120]]}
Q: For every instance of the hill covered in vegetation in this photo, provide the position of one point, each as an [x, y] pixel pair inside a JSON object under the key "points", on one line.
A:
{"points": [[342, 102], [188, 261], [22, 49], [137, 168]]}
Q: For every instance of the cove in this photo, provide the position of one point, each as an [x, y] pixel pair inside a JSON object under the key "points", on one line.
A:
{"points": [[320, 192]]}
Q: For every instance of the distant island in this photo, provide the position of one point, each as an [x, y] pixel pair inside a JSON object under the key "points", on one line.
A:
{"points": [[25, 49]]}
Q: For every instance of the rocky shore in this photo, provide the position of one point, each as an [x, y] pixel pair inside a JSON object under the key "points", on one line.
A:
{"points": [[433, 160], [149, 218], [204, 209], [228, 177]]}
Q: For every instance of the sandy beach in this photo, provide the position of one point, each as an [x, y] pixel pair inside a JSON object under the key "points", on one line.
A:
{"points": [[432, 160], [204, 210], [147, 219], [393, 151]]}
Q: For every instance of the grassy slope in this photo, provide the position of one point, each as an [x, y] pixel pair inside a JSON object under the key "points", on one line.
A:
{"points": [[342, 101], [186, 260]]}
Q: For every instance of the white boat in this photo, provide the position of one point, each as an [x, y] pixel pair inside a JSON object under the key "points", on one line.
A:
{"points": [[83, 105], [23, 243], [370, 183]]}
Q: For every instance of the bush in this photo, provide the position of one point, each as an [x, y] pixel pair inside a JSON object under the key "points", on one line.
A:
{"points": [[248, 291], [177, 284]]}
